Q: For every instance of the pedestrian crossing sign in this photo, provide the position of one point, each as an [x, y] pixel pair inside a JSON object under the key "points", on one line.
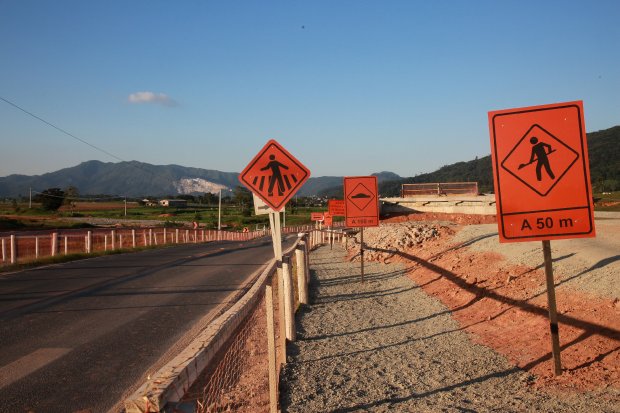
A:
{"points": [[274, 175], [541, 173]]}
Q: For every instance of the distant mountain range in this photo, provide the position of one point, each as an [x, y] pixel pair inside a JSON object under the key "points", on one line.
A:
{"points": [[137, 179], [133, 179]]}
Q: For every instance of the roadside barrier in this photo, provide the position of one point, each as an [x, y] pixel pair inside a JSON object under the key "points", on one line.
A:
{"points": [[208, 376], [21, 247]]}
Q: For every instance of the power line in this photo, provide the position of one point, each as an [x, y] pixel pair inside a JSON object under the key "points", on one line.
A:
{"points": [[73, 136], [62, 130]]}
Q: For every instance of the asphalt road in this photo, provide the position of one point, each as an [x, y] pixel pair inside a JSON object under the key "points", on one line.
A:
{"points": [[74, 337]]}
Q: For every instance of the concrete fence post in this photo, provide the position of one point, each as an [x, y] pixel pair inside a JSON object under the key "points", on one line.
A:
{"points": [[301, 272], [289, 303], [113, 236], [105, 242], [89, 242], [133, 238], [13, 250], [187, 236], [36, 247], [146, 241], [3, 250], [150, 236], [281, 315], [177, 235], [54, 243], [66, 245], [271, 348], [165, 236]]}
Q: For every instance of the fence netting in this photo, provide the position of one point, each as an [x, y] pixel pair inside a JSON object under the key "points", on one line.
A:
{"points": [[237, 380]]}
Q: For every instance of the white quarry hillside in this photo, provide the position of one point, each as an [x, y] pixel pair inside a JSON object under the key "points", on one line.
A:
{"points": [[187, 186]]}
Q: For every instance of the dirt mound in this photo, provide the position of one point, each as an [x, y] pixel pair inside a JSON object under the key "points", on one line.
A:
{"points": [[381, 243]]}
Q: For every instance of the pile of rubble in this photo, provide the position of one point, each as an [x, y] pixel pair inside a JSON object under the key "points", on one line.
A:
{"points": [[381, 243]]}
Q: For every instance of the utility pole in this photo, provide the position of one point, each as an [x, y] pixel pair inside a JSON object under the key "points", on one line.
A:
{"points": [[30, 202], [219, 213], [125, 206]]}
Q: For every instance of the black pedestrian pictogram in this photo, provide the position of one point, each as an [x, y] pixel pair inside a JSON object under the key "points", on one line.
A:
{"points": [[540, 155], [276, 175]]}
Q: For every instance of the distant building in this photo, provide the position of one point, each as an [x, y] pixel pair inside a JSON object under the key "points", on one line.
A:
{"points": [[174, 203], [149, 203]]}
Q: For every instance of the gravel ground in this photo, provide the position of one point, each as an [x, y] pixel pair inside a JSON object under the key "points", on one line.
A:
{"points": [[386, 346]]}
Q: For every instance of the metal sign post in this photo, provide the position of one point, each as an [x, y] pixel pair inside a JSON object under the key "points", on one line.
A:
{"points": [[553, 313], [362, 252]]}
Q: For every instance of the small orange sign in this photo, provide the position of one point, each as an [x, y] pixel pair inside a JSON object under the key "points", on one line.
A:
{"points": [[541, 173], [336, 207], [361, 201], [317, 216], [274, 175], [329, 220]]}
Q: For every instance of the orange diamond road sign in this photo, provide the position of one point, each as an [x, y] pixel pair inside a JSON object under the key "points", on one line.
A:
{"points": [[361, 201], [541, 173], [336, 207], [274, 175]]}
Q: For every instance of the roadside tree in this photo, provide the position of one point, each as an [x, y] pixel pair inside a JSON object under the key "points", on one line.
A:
{"points": [[51, 199]]}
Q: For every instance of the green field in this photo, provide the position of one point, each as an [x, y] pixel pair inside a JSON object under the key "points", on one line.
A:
{"points": [[19, 216]]}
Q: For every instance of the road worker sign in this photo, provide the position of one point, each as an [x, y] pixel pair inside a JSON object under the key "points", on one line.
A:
{"points": [[361, 201], [274, 175], [541, 173], [336, 207]]}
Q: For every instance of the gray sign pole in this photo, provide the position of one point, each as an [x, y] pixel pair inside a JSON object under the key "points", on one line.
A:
{"points": [[553, 313], [362, 251]]}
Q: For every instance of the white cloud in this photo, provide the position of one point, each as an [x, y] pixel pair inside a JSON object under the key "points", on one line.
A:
{"points": [[151, 97]]}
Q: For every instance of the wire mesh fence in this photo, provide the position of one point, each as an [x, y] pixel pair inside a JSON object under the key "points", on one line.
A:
{"points": [[238, 378]]}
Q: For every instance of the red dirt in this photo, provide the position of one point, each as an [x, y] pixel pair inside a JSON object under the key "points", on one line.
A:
{"points": [[440, 216], [497, 303]]}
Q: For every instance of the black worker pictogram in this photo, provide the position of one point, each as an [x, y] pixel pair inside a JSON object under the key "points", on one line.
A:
{"points": [[540, 155], [539, 160]]}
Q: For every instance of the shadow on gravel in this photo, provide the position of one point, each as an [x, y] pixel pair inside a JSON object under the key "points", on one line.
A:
{"points": [[589, 328], [602, 263], [325, 299], [352, 279], [377, 328], [408, 341], [393, 402]]}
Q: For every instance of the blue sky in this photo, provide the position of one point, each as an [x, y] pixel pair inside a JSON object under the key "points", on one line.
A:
{"points": [[349, 87]]}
